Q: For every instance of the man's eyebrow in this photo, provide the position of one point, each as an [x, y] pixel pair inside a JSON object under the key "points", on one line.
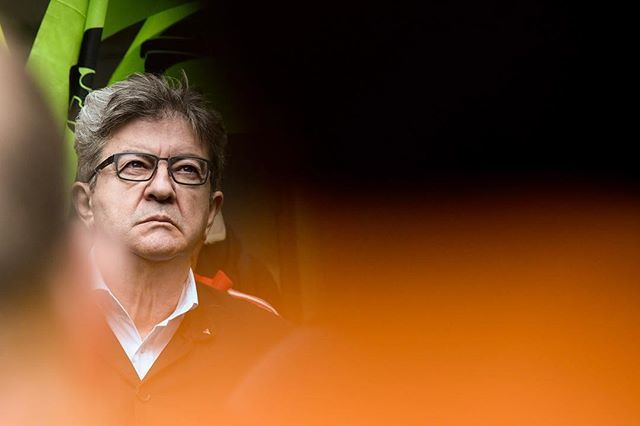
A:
{"points": [[134, 149], [190, 154], [143, 151]]}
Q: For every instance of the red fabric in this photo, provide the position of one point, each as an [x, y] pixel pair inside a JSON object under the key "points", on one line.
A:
{"points": [[219, 281]]}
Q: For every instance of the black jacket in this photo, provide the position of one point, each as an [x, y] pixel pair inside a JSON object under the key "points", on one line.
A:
{"points": [[214, 347]]}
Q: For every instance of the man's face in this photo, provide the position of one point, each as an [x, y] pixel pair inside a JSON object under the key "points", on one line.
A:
{"points": [[159, 219]]}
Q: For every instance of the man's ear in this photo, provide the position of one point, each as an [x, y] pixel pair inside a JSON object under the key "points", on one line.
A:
{"points": [[215, 204], [81, 198]]}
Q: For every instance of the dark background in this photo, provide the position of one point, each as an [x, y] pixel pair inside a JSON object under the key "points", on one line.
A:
{"points": [[404, 95], [354, 94], [425, 103]]}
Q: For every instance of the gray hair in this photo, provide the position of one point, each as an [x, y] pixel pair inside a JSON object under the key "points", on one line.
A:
{"points": [[151, 97]]}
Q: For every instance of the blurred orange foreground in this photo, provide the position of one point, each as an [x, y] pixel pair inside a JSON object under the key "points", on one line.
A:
{"points": [[495, 308]]}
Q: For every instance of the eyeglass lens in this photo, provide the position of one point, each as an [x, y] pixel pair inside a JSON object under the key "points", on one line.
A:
{"points": [[140, 167]]}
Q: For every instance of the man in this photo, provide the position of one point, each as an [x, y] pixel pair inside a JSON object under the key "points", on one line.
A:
{"points": [[150, 159]]}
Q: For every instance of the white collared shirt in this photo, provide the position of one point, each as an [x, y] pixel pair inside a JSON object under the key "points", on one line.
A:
{"points": [[144, 352]]}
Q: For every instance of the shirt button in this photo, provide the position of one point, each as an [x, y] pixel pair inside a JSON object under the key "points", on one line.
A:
{"points": [[144, 396]]}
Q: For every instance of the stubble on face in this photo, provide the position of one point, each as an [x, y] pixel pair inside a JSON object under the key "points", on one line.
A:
{"points": [[157, 220]]}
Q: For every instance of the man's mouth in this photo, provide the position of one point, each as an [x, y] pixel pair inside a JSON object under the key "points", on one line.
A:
{"points": [[159, 218]]}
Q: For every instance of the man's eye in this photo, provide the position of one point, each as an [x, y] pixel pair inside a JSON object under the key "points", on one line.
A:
{"points": [[135, 165], [187, 169]]}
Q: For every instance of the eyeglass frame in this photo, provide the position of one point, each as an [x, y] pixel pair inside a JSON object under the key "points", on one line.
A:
{"points": [[113, 158]]}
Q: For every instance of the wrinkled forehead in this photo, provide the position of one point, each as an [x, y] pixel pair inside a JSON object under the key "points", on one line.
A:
{"points": [[168, 135]]}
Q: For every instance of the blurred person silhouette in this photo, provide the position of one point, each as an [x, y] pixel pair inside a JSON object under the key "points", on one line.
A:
{"points": [[37, 261], [150, 158]]}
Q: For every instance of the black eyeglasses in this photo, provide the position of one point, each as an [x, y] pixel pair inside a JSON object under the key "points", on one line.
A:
{"points": [[141, 167]]}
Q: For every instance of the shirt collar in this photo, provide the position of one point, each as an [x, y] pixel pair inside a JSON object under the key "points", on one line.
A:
{"points": [[188, 298]]}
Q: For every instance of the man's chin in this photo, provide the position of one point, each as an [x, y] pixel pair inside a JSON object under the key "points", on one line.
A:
{"points": [[159, 252]]}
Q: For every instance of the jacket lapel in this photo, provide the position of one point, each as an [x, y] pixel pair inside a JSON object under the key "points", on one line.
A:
{"points": [[197, 327], [110, 350]]}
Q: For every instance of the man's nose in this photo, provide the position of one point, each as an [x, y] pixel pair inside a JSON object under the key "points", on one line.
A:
{"points": [[161, 186]]}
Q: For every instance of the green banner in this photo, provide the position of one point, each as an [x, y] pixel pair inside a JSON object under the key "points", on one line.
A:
{"points": [[133, 61], [3, 40], [65, 52]]}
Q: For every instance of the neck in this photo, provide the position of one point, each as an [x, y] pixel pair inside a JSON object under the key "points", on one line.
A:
{"points": [[148, 290]]}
